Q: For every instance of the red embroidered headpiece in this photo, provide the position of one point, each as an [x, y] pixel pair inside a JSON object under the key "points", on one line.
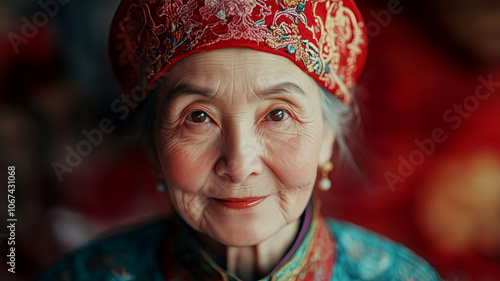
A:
{"points": [[325, 38]]}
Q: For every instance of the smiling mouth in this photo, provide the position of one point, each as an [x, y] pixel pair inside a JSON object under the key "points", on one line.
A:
{"points": [[240, 203]]}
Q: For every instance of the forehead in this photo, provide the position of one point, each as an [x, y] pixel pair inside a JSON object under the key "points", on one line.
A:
{"points": [[236, 66]]}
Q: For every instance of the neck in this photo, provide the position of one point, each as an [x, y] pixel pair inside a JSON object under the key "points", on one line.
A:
{"points": [[257, 261]]}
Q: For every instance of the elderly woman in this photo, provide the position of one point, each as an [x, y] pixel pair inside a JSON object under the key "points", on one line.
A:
{"points": [[248, 99]]}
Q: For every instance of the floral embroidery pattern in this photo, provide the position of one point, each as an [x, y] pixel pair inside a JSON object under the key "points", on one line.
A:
{"points": [[326, 38], [331, 251]]}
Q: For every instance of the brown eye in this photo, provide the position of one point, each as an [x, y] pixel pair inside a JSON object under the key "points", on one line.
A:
{"points": [[277, 115], [199, 117]]}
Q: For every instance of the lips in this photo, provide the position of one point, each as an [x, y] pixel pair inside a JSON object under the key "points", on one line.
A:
{"points": [[240, 203]]}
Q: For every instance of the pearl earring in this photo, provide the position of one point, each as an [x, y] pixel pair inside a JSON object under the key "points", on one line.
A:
{"points": [[160, 187], [325, 183]]}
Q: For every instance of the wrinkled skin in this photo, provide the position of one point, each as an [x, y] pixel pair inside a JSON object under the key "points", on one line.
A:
{"points": [[240, 123]]}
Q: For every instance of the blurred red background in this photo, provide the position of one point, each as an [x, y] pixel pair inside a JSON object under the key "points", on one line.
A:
{"points": [[428, 148]]}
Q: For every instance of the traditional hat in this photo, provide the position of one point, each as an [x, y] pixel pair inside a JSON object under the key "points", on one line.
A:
{"points": [[325, 38]]}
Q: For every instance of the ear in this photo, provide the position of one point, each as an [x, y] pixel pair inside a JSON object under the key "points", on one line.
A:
{"points": [[326, 151]]}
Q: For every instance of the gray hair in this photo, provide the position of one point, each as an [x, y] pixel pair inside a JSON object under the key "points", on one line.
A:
{"points": [[342, 119]]}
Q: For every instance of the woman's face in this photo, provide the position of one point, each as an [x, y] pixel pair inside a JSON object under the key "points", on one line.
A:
{"points": [[238, 135]]}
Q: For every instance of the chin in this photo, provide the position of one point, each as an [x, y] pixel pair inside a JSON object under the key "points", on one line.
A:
{"points": [[244, 233]]}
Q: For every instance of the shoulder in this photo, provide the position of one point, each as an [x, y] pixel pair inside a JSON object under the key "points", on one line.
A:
{"points": [[130, 254], [364, 255]]}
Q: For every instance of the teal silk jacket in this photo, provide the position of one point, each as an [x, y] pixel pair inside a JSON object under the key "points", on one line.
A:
{"points": [[166, 250]]}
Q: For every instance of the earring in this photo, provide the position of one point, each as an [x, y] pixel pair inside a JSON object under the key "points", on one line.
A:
{"points": [[160, 187], [325, 183]]}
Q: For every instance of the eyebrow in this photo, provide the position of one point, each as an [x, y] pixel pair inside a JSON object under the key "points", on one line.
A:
{"points": [[187, 89]]}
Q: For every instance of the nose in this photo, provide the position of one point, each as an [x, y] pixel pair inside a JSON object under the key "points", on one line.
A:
{"points": [[240, 157]]}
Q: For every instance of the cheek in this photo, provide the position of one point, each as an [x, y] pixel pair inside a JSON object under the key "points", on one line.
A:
{"points": [[186, 164], [294, 159]]}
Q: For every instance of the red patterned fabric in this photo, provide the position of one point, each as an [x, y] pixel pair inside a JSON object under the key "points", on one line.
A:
{"points": [[325, 38]]}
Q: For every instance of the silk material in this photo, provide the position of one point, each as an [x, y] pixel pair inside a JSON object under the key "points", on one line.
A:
{"points": [[329, 250], [324, 38]]}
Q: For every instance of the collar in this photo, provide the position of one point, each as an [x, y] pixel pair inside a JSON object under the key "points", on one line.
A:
{"points": [[311, 256]]}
